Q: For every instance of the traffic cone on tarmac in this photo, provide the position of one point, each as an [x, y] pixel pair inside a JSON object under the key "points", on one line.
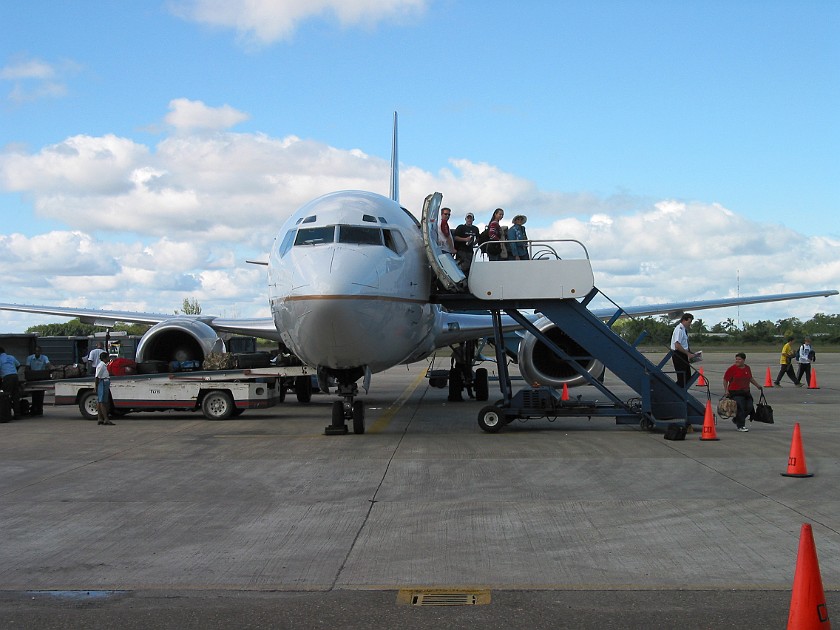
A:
{"points": [[796, 459], [701, 382], [709, 431], [807, 601], [565, 394], [768, 381], [813, 383]]}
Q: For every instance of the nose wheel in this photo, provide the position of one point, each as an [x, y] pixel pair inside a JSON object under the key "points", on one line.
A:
{"points": [[348, 410]]}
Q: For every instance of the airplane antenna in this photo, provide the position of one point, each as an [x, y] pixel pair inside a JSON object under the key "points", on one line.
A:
{"points": [[395, 175]]}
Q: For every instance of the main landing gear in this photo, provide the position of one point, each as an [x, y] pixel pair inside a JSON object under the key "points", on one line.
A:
{"points": [[346, 411]]}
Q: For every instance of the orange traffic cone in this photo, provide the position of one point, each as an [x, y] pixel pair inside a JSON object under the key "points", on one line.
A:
{"points": [[768, 381], [807, 602], [796, 459], [701, 382], [813, 383], [709, 431], [565, 394]]}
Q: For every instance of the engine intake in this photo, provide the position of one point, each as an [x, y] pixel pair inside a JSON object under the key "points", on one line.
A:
{"points": [[538, 364], [179, 339]]}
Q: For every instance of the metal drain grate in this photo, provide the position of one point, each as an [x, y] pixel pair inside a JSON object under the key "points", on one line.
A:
{"points": [[439, 597]]}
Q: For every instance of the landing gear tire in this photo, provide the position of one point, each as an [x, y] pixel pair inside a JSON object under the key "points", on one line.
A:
{"points": [[337, 413], [482, 390], [217, 406], [358, 417], [303, 389], [490, 419], [338, 425]]}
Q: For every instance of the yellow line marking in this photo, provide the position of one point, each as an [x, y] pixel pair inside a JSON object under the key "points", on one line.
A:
{"points": [[386, 416]]}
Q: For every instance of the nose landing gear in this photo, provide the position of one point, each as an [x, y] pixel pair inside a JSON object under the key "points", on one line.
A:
{"points": [[347, 410]]}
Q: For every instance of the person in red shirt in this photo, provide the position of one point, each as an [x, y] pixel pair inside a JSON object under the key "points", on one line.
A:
{"points": [[736, 385]]}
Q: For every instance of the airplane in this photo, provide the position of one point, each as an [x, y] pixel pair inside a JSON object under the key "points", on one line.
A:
{"points": [[350, 277]]}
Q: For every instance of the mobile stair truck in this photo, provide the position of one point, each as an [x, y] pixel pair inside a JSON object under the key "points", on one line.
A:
{"points": [[219, 394], [557, 283]]}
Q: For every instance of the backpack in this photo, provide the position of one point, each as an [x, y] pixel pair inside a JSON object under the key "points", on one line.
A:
{"points": [[484, 236]]}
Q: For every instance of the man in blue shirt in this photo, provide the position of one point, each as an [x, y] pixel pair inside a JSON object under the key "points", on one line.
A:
{"points": [[11, 384], [38, 362]]}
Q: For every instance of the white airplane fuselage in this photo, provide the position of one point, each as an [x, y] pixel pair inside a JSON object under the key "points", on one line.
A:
{"points": [[349, 284]]}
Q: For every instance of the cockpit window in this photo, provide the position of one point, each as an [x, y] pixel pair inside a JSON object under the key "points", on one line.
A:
{"points": [[394, 241], [368, 218], [359, 235], [286, 245], [315, 236], [310, 219]]}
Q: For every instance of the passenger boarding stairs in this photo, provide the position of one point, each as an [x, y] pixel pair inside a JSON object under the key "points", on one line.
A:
{"points": [[561, 288]]}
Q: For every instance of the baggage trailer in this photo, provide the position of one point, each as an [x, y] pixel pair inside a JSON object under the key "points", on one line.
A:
{"points": [[218, 394]]}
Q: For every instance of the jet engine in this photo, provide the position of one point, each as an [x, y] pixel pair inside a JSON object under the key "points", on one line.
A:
{"points": [[539, 365], [179, 339]]}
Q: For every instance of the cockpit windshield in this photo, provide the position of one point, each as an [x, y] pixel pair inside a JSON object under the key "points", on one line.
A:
{"points": [[359, 235], [350, 234], [315, 235]]}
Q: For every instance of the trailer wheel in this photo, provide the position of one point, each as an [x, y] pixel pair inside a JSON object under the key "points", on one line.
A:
{"points": [[490, 419], [358, 417], [217, 406], [88, 406], [482, 388], [303, 389]]}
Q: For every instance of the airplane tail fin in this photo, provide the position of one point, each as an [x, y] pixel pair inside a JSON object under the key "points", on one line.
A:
{"points": [[395, 167]]}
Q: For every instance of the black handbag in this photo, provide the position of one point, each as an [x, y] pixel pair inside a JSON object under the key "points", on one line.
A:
{"points": [[763, 411]]}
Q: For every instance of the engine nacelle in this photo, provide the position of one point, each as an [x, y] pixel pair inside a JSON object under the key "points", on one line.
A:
{"points": [[179, 339], [538, 365]]}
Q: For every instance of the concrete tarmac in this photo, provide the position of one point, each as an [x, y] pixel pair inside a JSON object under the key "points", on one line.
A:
{"points": [[170, 520]]}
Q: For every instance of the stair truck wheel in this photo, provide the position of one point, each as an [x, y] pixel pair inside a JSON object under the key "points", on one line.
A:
{"points": [[490, 419]]}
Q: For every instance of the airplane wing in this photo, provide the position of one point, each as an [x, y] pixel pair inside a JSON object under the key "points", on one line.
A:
{"points": [[258, 327], [676, 309], [461, 326]]}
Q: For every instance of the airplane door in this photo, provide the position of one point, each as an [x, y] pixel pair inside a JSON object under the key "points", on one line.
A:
{"points": [[443, 264]]}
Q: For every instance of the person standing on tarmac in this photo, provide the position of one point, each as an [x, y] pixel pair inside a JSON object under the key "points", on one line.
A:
{"points": [[680, 354], [805, 358], [102, 380], [11, 384], [736, 385], [786, 363]]}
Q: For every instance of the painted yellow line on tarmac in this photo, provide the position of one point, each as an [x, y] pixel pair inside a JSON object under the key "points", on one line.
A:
{"points": [[386, 416]]}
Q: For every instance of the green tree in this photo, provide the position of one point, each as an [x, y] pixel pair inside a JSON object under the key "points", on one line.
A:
{"points": [[189, 307]]}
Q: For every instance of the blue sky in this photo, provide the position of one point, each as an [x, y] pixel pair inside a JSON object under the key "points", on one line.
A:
{"points": [[148, 148]]}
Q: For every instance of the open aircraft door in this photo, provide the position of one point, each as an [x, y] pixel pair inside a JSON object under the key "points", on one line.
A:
{"points": [[443, 263]]}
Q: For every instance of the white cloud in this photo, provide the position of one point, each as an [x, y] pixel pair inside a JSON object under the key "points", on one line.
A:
{"points": [[33, 79], [187, 115], [267, 21], [147, 226]]}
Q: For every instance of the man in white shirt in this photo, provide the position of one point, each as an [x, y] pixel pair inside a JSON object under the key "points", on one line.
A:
{"points": [[680, 354], [93, 359]]}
